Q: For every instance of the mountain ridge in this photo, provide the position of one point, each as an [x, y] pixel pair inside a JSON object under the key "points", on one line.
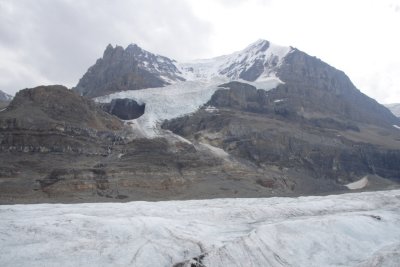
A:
{"points": [[296, 126], [121, 69], [263, 62]]}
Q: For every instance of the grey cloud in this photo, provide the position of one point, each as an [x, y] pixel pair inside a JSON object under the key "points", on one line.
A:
{"points": [[55, 41]]}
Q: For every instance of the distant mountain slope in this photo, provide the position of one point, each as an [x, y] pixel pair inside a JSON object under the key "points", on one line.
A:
{"points": [[394, 108], [5, 97]]}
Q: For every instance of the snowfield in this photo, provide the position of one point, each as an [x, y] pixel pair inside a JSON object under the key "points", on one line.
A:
{"points": [[361, 229]]}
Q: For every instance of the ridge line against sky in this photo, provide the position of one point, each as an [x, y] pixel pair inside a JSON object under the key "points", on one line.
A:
{"points": [[56, 41]]}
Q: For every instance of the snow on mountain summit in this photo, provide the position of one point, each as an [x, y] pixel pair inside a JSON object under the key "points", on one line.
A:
{"points": [[257, 61]]}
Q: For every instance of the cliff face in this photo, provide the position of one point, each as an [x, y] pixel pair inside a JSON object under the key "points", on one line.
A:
{"points": [[313, 86]]}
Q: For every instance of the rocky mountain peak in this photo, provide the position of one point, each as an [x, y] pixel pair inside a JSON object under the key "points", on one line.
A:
{"points": [[122, 69]]}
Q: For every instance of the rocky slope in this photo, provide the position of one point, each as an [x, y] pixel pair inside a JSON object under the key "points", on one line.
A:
{"points": [[257, 126], [53, 119], [312, 86]]}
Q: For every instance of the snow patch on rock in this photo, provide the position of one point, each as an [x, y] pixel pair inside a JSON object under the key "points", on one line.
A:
{"points": [[363, 182]]}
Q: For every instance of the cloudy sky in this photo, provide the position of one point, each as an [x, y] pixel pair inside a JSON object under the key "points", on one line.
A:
{"points": [[55, 41]]}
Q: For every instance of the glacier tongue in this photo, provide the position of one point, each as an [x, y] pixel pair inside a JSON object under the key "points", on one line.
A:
{"points": [[167, 102], [344, 230]]}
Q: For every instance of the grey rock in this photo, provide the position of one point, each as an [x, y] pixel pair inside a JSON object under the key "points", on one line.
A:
{"points": [[313, 86], [125, 109], [55, 119]]}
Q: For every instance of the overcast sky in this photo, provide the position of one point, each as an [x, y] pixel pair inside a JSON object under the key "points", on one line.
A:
{"points": [[55, 41]]}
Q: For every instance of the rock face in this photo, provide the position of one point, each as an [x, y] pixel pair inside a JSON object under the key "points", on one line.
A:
{"points": [[125, 109], [127, 69], [51, 104], [313, 86]]}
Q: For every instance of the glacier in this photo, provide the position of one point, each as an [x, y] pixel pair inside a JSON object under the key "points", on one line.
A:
{"points": [[163, 103], [357, 229]]}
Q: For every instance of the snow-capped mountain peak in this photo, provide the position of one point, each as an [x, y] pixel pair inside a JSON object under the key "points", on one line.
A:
{"points": [[257, 61]]}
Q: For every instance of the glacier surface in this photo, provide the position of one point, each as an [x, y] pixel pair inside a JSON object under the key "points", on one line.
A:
{"points": [[359, 229], [164, 103]]}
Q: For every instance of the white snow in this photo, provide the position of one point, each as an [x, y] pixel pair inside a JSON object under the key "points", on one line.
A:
{"points": [[363, 182], [265, 83], [396, 126], [279, 100], [344, 230]]}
